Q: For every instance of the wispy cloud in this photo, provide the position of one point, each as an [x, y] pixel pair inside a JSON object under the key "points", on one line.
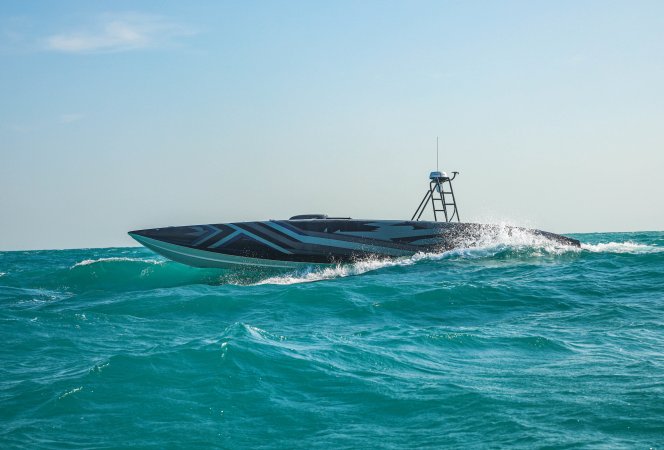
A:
{"points": [[14, 36], [118, 33], [71, 118], [18, 128]]}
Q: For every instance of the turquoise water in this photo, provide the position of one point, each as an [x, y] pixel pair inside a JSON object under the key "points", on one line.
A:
{"points": [[518, 343]]}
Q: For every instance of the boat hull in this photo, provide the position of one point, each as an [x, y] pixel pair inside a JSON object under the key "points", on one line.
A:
{"points": [[297, 243]]}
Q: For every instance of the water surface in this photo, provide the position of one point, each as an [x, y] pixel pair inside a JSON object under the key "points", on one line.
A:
{"points": [[517, 343]]}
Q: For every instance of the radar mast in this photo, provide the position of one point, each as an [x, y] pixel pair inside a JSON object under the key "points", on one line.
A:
{"points": [[441, 196]]}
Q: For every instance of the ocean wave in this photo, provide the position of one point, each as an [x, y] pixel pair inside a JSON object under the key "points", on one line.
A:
{"points": [[130, 272], [87, 262]]}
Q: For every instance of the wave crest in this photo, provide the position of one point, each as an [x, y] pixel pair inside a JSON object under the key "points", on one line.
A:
{"points": [[88, 262]]}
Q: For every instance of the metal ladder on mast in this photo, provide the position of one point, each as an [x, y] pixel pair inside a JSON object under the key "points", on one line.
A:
{"points": [[439, 180]]}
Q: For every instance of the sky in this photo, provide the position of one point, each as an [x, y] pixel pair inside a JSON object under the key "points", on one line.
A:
{"points": [[118, 115]]}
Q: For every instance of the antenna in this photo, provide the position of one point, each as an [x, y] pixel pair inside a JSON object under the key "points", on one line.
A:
{"points": [[436, 152]]}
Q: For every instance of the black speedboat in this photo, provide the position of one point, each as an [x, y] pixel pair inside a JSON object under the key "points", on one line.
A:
{"points": [[317, 239]]}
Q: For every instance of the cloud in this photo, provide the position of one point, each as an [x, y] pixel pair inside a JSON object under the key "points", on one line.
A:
{"points": [[14, 36], [71, 118], [118, 33], [19, 128]]}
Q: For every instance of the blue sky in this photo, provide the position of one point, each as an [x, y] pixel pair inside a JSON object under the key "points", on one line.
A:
{"points": [[124, 115]]}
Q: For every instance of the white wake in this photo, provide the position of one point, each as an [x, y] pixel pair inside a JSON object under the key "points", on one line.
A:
{"points": [[622, 247], [499, 239]]}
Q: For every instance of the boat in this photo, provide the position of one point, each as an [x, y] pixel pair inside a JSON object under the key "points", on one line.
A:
{"points": [[316, 239]]}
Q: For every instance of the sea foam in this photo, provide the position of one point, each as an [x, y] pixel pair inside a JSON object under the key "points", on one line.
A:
{"points": [[87, 262]]}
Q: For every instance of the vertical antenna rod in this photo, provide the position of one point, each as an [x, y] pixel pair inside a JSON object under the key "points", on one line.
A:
{"points": [[436, 152]]}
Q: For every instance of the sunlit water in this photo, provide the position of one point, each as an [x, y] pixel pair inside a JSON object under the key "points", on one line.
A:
{"points": [[516, 343]]}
